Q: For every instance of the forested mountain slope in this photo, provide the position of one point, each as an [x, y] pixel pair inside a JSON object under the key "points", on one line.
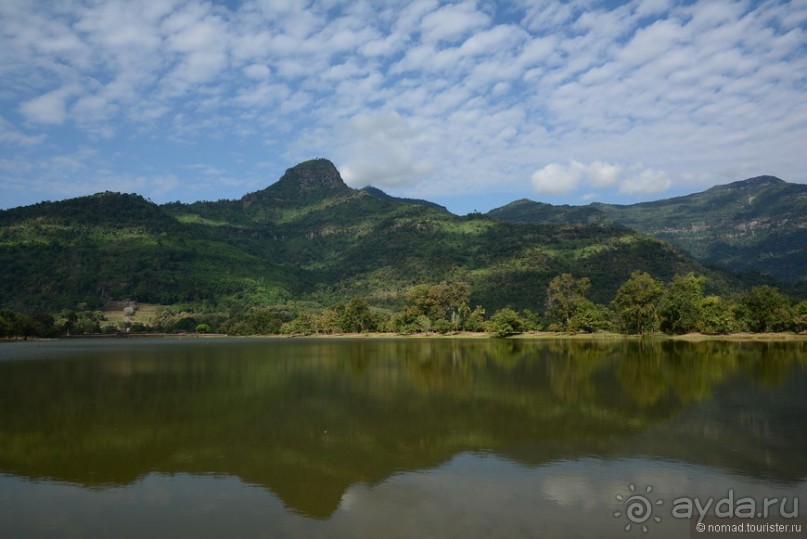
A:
{"points": [[307, 237], [759, 224]]}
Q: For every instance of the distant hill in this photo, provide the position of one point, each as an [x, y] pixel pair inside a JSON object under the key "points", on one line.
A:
{"points": [[307, 237], [525, 211], [758, 224], [378, 193]]}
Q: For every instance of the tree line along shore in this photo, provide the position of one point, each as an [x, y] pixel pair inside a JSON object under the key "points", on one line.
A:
{"points": [[642, 305]]}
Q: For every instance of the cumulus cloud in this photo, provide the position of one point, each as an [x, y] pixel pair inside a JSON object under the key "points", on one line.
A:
{"points": [[559, 179], [603, 174], [556, 179], [386, 155]]}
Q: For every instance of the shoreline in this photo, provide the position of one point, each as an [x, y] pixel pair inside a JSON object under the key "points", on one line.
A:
{"points": [[536, 336]]}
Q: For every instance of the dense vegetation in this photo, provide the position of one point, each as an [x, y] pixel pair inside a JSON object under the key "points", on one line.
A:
{"points": [[759, 224], [308, 254], [642, 305]]}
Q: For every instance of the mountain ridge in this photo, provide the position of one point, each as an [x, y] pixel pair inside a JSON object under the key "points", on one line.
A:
{"points": [[308, 238], [758, 224]]}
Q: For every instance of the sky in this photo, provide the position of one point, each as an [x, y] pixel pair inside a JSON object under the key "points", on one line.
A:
{"points": [[467, 103]]}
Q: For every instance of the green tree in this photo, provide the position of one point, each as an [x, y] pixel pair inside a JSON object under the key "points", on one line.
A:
{"points": [[88, 322], [65, 321], [10, 324], [505, 322], [800, 317], [717, 317], [475, 320], [636, 303], [186, 322], [767, 309], [407, 323], [355, 316], [44, 325], [442, 325], [590, 318], [564, 295], [444, 300], [327, 321], [530, 321], [256, 322], [302, 325], [681, 304], [161, 320]]}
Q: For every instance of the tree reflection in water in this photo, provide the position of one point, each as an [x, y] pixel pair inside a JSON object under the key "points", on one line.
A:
{"points": [[309, 418]]}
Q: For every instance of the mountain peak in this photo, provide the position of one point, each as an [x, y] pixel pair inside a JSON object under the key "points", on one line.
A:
{"points": [[314, 175], [303, 184], [756, 182]]}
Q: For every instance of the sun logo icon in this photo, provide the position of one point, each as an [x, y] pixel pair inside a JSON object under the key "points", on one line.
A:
{"points": [[638, 508]]}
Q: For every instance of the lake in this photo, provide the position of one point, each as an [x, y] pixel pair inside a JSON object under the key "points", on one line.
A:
{"points": [[186, 437]]}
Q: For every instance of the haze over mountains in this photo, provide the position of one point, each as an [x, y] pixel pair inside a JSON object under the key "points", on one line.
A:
{"points": [[311, 238]]}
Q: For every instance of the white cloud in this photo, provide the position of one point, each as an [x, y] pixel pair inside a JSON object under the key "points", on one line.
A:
{"points": [[555, 179], [384, 152], [537, 50], [645, 8], [652, 41], [200, 39], [49, 108], [544, 15], [603, 174], [645, 182], [452, 22], [124, 27], [93, 108], [9, 134], [434, 97], [499, 38], [257, 71], [558, 179], [383, 46], [262, 95]]}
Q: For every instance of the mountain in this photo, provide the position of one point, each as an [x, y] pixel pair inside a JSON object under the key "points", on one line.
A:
{"points": [[378, 193], [307, 237], [525, 211], [110, 245], [758, 224]]}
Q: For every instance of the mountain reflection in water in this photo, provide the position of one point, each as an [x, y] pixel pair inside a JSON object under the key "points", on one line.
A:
{"points": [[317, 422]]}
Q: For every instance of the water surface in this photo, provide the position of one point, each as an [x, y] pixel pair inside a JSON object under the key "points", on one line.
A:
{"points": [[389, 437]]}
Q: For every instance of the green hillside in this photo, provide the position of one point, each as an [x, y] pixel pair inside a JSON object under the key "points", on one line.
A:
{"points": [[113, 246], [308, 237], [759, 224]]}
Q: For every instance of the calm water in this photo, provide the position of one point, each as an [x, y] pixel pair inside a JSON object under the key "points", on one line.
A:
{"points": [[390, 438]]}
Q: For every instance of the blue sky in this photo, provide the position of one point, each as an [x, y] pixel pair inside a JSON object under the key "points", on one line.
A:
{"points": [[470, 104]]}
